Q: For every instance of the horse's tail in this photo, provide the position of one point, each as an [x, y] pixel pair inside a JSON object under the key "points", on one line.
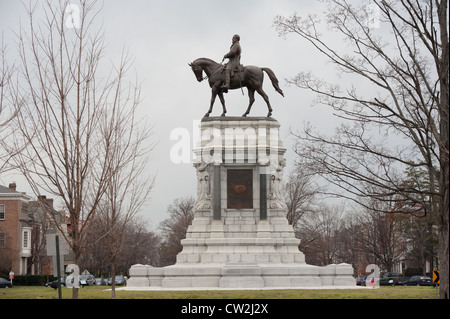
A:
{"points": [[274, 80]]}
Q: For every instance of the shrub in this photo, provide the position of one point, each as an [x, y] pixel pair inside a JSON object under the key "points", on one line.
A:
{"points": [[32, 280]]}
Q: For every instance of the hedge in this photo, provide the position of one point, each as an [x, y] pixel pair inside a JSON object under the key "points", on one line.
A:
{"points": [[32, 280]]}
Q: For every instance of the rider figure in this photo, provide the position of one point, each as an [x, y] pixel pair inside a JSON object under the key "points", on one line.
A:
{"points": [[234, 61]]}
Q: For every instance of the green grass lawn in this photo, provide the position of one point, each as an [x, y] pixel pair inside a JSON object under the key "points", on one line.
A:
{"points": [[101, 292]]}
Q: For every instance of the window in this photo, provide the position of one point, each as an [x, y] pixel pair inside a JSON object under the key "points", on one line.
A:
{"points": [[2, 212], [2, 239], [25, 238], [26, 242]]}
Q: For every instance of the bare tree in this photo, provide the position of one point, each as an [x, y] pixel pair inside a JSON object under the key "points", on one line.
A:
{"points": [[175, 227], [382, 235], [129, 185], [352, 250], [301, 194], [319, 234], [7, 112], [67, 113], [407, 71], [137, 246], [143, 246]]}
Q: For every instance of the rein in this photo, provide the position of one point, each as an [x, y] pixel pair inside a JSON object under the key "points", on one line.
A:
{"points": [[206, 76]]}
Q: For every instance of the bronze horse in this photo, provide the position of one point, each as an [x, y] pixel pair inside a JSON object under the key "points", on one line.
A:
{"points": [[251, 77]]}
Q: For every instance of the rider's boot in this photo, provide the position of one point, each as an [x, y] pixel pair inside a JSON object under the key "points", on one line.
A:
{"points": [[226, 85]]}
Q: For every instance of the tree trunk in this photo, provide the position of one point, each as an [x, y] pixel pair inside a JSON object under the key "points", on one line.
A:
{"points": [[444, 151], [113, 280]]}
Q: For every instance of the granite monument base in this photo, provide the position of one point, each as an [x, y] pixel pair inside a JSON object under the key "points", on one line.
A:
{"points": [[240, 237]]}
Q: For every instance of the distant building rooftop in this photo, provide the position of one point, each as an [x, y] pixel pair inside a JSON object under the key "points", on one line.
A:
{"points": [[6, 192]]}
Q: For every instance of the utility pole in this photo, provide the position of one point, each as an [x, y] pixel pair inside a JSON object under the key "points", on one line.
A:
{"points": [[58, 266]]}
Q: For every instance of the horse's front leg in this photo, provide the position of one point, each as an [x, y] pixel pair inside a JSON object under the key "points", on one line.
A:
{"points": [[222, 100], [213, 98]]}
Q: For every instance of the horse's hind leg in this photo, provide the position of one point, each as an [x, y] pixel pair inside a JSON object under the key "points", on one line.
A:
{"points": [[266, 98], [251, 98]]}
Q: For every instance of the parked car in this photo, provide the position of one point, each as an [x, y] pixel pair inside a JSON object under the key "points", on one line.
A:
{"points": [[86, 280], [100, 282], [392, 279], [54, 284], [361, 281], [418, 281], [5, 283], [120, 280]]}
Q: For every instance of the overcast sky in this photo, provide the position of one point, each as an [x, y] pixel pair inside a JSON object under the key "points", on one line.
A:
{"points": [[163, 37]]}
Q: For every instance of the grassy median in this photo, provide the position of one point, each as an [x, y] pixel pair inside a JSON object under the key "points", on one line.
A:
{"points": [[102, 292]]}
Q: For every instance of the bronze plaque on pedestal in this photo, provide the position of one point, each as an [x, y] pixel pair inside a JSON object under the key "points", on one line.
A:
{"points": [[239, 188]]}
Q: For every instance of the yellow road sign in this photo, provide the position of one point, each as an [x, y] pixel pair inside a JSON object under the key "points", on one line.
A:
{"points": [[435, 276]]}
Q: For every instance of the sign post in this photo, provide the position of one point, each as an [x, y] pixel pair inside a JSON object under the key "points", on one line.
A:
{"points": [[58, 266], [436, 280], [57, 250], [11, 276]]}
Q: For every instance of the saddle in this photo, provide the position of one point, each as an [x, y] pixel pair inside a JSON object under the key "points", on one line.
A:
{"points": [[235, 75], [237, 69]]}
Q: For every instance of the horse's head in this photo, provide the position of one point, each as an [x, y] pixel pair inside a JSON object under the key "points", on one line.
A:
{"points": [[198, 71]]}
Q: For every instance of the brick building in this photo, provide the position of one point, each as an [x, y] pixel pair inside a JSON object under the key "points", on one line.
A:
{"points": [[15, 230], [24, 225]]}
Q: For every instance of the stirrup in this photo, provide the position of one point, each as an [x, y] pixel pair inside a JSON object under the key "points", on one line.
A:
{"points": [[225, 87]]}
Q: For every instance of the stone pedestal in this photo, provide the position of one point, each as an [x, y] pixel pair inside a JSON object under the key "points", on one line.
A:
{"points": [[240, 237]]}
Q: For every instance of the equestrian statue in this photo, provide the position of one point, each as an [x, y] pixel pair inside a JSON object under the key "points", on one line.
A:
{"points": [[233, 76]]}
